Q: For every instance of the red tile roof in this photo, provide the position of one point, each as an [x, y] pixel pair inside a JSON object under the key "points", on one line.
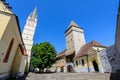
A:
{"points": [[62, 53], [73, 24], [84, 50], [70, 53]]}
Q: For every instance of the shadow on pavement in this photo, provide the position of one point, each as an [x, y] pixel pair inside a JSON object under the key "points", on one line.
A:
{"points": [[114, 76]]}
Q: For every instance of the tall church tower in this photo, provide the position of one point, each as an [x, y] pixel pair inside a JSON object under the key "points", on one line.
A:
{"points": [[28, 32], [74, 37]]}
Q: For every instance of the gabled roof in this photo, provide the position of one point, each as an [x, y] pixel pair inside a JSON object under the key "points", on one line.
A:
{"points": [[73, 24], [6, 8], [84, 50], [62, 53]]}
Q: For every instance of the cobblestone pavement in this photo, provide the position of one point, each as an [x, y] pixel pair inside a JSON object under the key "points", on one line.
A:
{"points": [[70, 76]]}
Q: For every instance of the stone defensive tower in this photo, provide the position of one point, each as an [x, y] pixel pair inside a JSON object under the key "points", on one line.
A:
{"points": [[74, 37]]}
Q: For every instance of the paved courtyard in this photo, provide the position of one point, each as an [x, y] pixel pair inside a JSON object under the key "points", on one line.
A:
{"points": [[70, 76]]}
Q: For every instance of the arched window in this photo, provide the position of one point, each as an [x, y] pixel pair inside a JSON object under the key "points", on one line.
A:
{"points": [[8, 51], [79, 62], [82, 62], [76, 63]]}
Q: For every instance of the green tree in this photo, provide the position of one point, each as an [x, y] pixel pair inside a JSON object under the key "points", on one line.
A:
{"points": [[43, 55]]}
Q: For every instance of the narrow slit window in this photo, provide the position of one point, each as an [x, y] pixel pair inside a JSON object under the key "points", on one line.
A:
{"points": [[8, 51]]}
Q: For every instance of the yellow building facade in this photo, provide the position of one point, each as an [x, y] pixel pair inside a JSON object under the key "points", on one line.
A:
{"points": [[87, 59], [13, 56], [60, 64]]}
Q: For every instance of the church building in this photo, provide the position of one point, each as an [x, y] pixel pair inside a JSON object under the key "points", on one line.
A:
{"points": [[87, 59], [13, 55], [28, 32], [15, 48]]}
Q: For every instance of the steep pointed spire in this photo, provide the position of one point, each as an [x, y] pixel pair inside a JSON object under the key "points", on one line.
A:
{"points": [[33, 15]]}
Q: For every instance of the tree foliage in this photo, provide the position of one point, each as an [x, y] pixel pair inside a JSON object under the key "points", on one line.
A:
{"points": [[43, 55]]}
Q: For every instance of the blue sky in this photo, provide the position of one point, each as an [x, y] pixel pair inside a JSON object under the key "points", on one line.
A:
{"points": [[97, 17]]}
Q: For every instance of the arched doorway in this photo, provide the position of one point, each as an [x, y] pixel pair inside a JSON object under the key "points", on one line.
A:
{"points": [[62, 69], [95, 65], [69, 68]]}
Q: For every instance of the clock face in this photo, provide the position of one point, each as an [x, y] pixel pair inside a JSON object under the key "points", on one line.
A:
{"points": [[31, 23]]}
